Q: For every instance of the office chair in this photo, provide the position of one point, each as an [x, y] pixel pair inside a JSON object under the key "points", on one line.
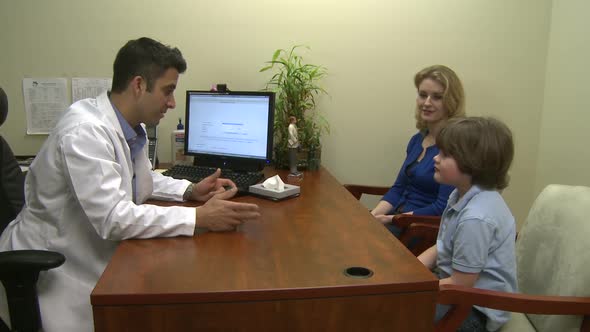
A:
{"points": [[19, 269], [418, 232], [553, 268]]}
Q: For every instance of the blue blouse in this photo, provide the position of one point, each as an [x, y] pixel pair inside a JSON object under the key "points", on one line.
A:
{"points": [[415, 188]]}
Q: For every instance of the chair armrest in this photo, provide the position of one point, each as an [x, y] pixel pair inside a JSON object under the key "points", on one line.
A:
{"points": [[358, 190], [465, 297], [19, 271], [27, 261], [413, 227], [426, 233], [515, 302], [405, 220]]}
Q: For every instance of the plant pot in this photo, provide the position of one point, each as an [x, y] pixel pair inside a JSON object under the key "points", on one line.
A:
{"points": [[314, 158], [281, 158], [306, 159]]}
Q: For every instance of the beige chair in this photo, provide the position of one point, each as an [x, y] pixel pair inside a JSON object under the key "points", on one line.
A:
{"points": [[553, 267]]}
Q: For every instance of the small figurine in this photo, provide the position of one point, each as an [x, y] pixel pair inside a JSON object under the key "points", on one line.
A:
{"points": [[293, 144]]}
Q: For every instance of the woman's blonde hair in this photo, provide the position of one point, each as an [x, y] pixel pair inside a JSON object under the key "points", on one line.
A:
{"points": [[453, 95]]}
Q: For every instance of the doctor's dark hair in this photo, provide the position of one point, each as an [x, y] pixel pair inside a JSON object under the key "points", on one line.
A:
{"points": [[147, 58], [482, 148]]}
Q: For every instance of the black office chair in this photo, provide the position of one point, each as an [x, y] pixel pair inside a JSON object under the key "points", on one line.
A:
{"points": [[19, 269]]}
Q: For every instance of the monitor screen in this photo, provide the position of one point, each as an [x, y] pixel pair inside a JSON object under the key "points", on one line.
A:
{"points": [[229, 129]]}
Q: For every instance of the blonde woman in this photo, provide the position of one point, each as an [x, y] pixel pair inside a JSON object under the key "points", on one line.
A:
{"points": [[440, 97]]}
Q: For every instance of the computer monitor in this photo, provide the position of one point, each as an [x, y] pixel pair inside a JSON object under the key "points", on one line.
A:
{"points": [[232, 130]]}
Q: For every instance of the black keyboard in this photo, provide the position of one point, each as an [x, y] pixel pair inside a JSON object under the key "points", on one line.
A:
{"points": [[197, 173]]}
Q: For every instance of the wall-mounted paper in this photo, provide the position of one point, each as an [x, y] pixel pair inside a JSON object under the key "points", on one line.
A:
{"points": [[45, 99], [89, 87]]}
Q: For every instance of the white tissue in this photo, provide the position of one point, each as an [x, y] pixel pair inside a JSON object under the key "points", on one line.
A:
{"points": [[274, 183]]}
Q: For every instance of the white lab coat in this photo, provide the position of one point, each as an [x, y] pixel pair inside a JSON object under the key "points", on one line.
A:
{"points": [[79, 202]]}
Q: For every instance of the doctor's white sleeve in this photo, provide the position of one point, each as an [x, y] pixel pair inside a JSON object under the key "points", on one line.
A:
{"points": [[94, 168], [167, 188]]}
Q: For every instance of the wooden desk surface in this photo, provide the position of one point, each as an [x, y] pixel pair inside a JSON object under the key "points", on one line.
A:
{"points": [[298, 250]]}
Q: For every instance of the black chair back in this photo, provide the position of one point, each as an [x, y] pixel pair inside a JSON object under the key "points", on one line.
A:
{"points": [[11, 178], [3, 106], [19, 270]]}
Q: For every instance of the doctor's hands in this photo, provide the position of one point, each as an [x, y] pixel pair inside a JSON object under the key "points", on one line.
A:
{"points": [[211, 186], [219, 215]]}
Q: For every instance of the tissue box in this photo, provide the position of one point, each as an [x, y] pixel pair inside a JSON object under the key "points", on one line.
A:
{"points": [[290, 191]]}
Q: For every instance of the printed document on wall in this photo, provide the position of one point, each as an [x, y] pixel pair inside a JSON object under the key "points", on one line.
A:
{"points": [[89, 87], [45, 99]]}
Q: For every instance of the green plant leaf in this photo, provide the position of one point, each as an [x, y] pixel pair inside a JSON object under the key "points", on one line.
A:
{"points": [[296, 85], [276, 54], [265, 68]]}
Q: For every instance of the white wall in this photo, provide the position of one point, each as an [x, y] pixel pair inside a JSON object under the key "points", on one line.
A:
{"points": [[371, 48], [563, 152]]}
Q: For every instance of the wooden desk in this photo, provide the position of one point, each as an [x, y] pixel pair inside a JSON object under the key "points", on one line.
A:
{"points": [[283, 273]]}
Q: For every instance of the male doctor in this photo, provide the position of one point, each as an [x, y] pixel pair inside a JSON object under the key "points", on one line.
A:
{"points": [[85, 189]]}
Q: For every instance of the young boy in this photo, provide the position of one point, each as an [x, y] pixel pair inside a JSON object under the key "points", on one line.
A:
{"points": [[475, 244]]}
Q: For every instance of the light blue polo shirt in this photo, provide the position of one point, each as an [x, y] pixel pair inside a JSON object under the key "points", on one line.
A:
{"points": [[477, 235]]}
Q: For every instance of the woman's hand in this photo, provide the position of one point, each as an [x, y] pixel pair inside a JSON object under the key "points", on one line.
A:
{"points": [[384, 219]]}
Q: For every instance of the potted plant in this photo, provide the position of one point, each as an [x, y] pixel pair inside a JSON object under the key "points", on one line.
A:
{"points": [[296, 86]]}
